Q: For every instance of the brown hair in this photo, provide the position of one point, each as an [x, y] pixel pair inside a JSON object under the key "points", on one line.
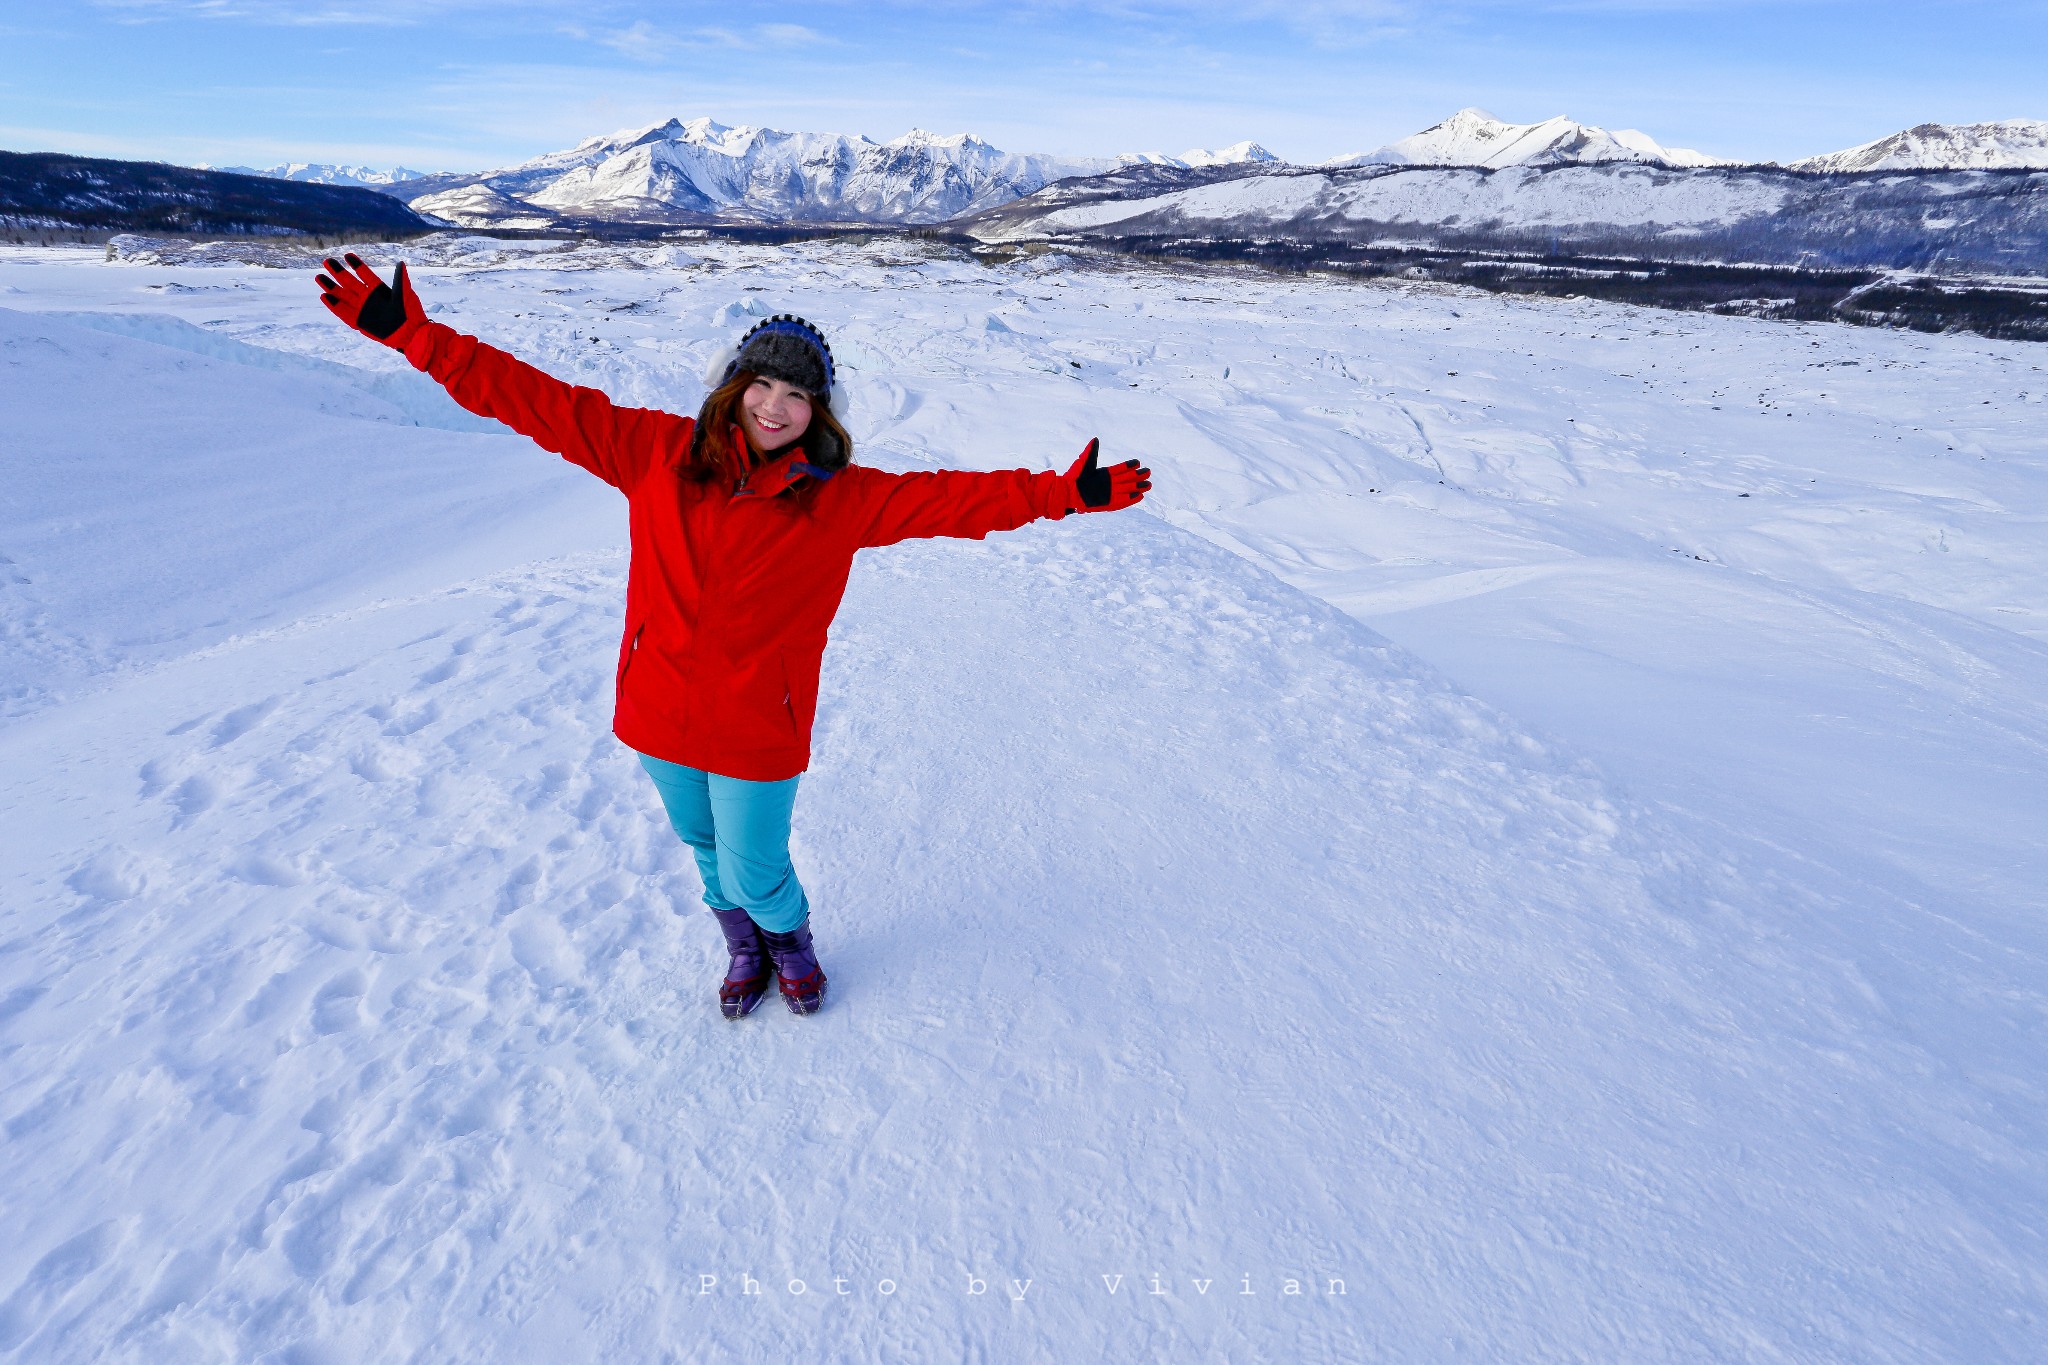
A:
{"points": [[712, 447]]}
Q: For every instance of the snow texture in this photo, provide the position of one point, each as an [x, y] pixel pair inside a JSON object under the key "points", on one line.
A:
{"points": [[1534, 825]]}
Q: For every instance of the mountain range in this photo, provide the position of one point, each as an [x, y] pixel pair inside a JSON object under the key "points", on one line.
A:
{"points": [[702, 172], [316, 173]]}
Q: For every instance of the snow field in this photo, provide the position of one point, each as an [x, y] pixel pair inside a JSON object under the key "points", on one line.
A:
{"points": [[1178, 923]]}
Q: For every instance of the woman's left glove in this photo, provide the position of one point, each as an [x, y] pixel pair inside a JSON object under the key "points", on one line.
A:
{"points": [[378, 310], [1091, 488]]}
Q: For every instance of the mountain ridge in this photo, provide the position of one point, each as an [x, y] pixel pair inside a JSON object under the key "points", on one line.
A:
{"points": [[1473, 137], [2008, 144], [1978, 224]]}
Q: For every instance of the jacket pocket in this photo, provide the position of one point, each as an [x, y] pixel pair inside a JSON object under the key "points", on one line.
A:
{"points": [[629, 646], [799, 696]]}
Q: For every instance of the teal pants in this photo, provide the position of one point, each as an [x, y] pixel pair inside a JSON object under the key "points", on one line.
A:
{"points": [[739, 831]]}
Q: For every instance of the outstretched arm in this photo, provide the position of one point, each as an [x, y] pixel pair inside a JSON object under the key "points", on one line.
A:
{"points": [[580, 424], [969, 505]]}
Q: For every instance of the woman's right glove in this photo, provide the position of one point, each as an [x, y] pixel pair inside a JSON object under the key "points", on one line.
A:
{"points": [[1093, 489], [376, 309]]}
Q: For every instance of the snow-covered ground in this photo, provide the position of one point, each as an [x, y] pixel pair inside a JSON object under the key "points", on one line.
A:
{"points": [[1535, 825]]}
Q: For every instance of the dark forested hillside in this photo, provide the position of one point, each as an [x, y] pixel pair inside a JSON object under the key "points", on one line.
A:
{"points": [[46, 190]]}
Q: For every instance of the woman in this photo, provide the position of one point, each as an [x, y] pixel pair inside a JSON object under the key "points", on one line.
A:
{"points": [[744, 523]]}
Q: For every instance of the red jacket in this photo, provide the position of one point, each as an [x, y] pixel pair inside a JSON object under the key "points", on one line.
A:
{"points": [[730, 589]]}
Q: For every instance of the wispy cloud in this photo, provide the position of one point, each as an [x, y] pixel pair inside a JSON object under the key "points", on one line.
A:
{"points": [[790, 35], [642, 41], [314, 13]]}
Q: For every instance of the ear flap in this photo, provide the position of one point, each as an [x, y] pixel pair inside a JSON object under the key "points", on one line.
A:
{"points": [[824, 448], [721, 365]]}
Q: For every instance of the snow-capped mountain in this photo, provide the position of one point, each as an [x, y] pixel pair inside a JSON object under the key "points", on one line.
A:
{"points": [[314, 173], [1473, 137], [679, 171], [1237, 153], [2019, 143], [689, 171]]}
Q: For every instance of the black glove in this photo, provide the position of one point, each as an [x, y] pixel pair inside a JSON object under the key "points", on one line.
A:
{"points": [[376, 309], [1112, 489]]}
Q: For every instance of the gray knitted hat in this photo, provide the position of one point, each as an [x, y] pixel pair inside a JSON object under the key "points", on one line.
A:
{"points": [[786, 348]]}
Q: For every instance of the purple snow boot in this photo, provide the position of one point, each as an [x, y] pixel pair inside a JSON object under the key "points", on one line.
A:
{"points": [[746, 981], [801, 978]]}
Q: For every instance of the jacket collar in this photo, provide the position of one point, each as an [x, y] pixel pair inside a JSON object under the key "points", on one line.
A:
{"points": [[779, 473]]}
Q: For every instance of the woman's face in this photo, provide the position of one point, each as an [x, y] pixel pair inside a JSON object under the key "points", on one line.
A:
{"points": [[774, 413]]}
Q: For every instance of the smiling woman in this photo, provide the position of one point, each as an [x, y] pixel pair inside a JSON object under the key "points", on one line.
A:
{"points": [[744, 524]]}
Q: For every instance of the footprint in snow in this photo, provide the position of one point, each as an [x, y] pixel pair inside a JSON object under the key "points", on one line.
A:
{"points": [[397, 725], [52, 1278], [109, 875], [338, 1005], [241, 721], [450, 666], [192, 798], [519, 887], [260, 869]]}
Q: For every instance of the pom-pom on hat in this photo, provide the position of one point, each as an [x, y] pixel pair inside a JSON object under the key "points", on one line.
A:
{"points": [[783, 347]]}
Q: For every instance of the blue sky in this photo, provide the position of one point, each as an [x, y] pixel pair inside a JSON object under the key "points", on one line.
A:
{"points": [[458, 85]]}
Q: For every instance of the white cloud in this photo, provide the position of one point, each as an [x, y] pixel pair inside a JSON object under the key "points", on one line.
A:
{"points": [[790, 35], [393, 13], [641, 42]]}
